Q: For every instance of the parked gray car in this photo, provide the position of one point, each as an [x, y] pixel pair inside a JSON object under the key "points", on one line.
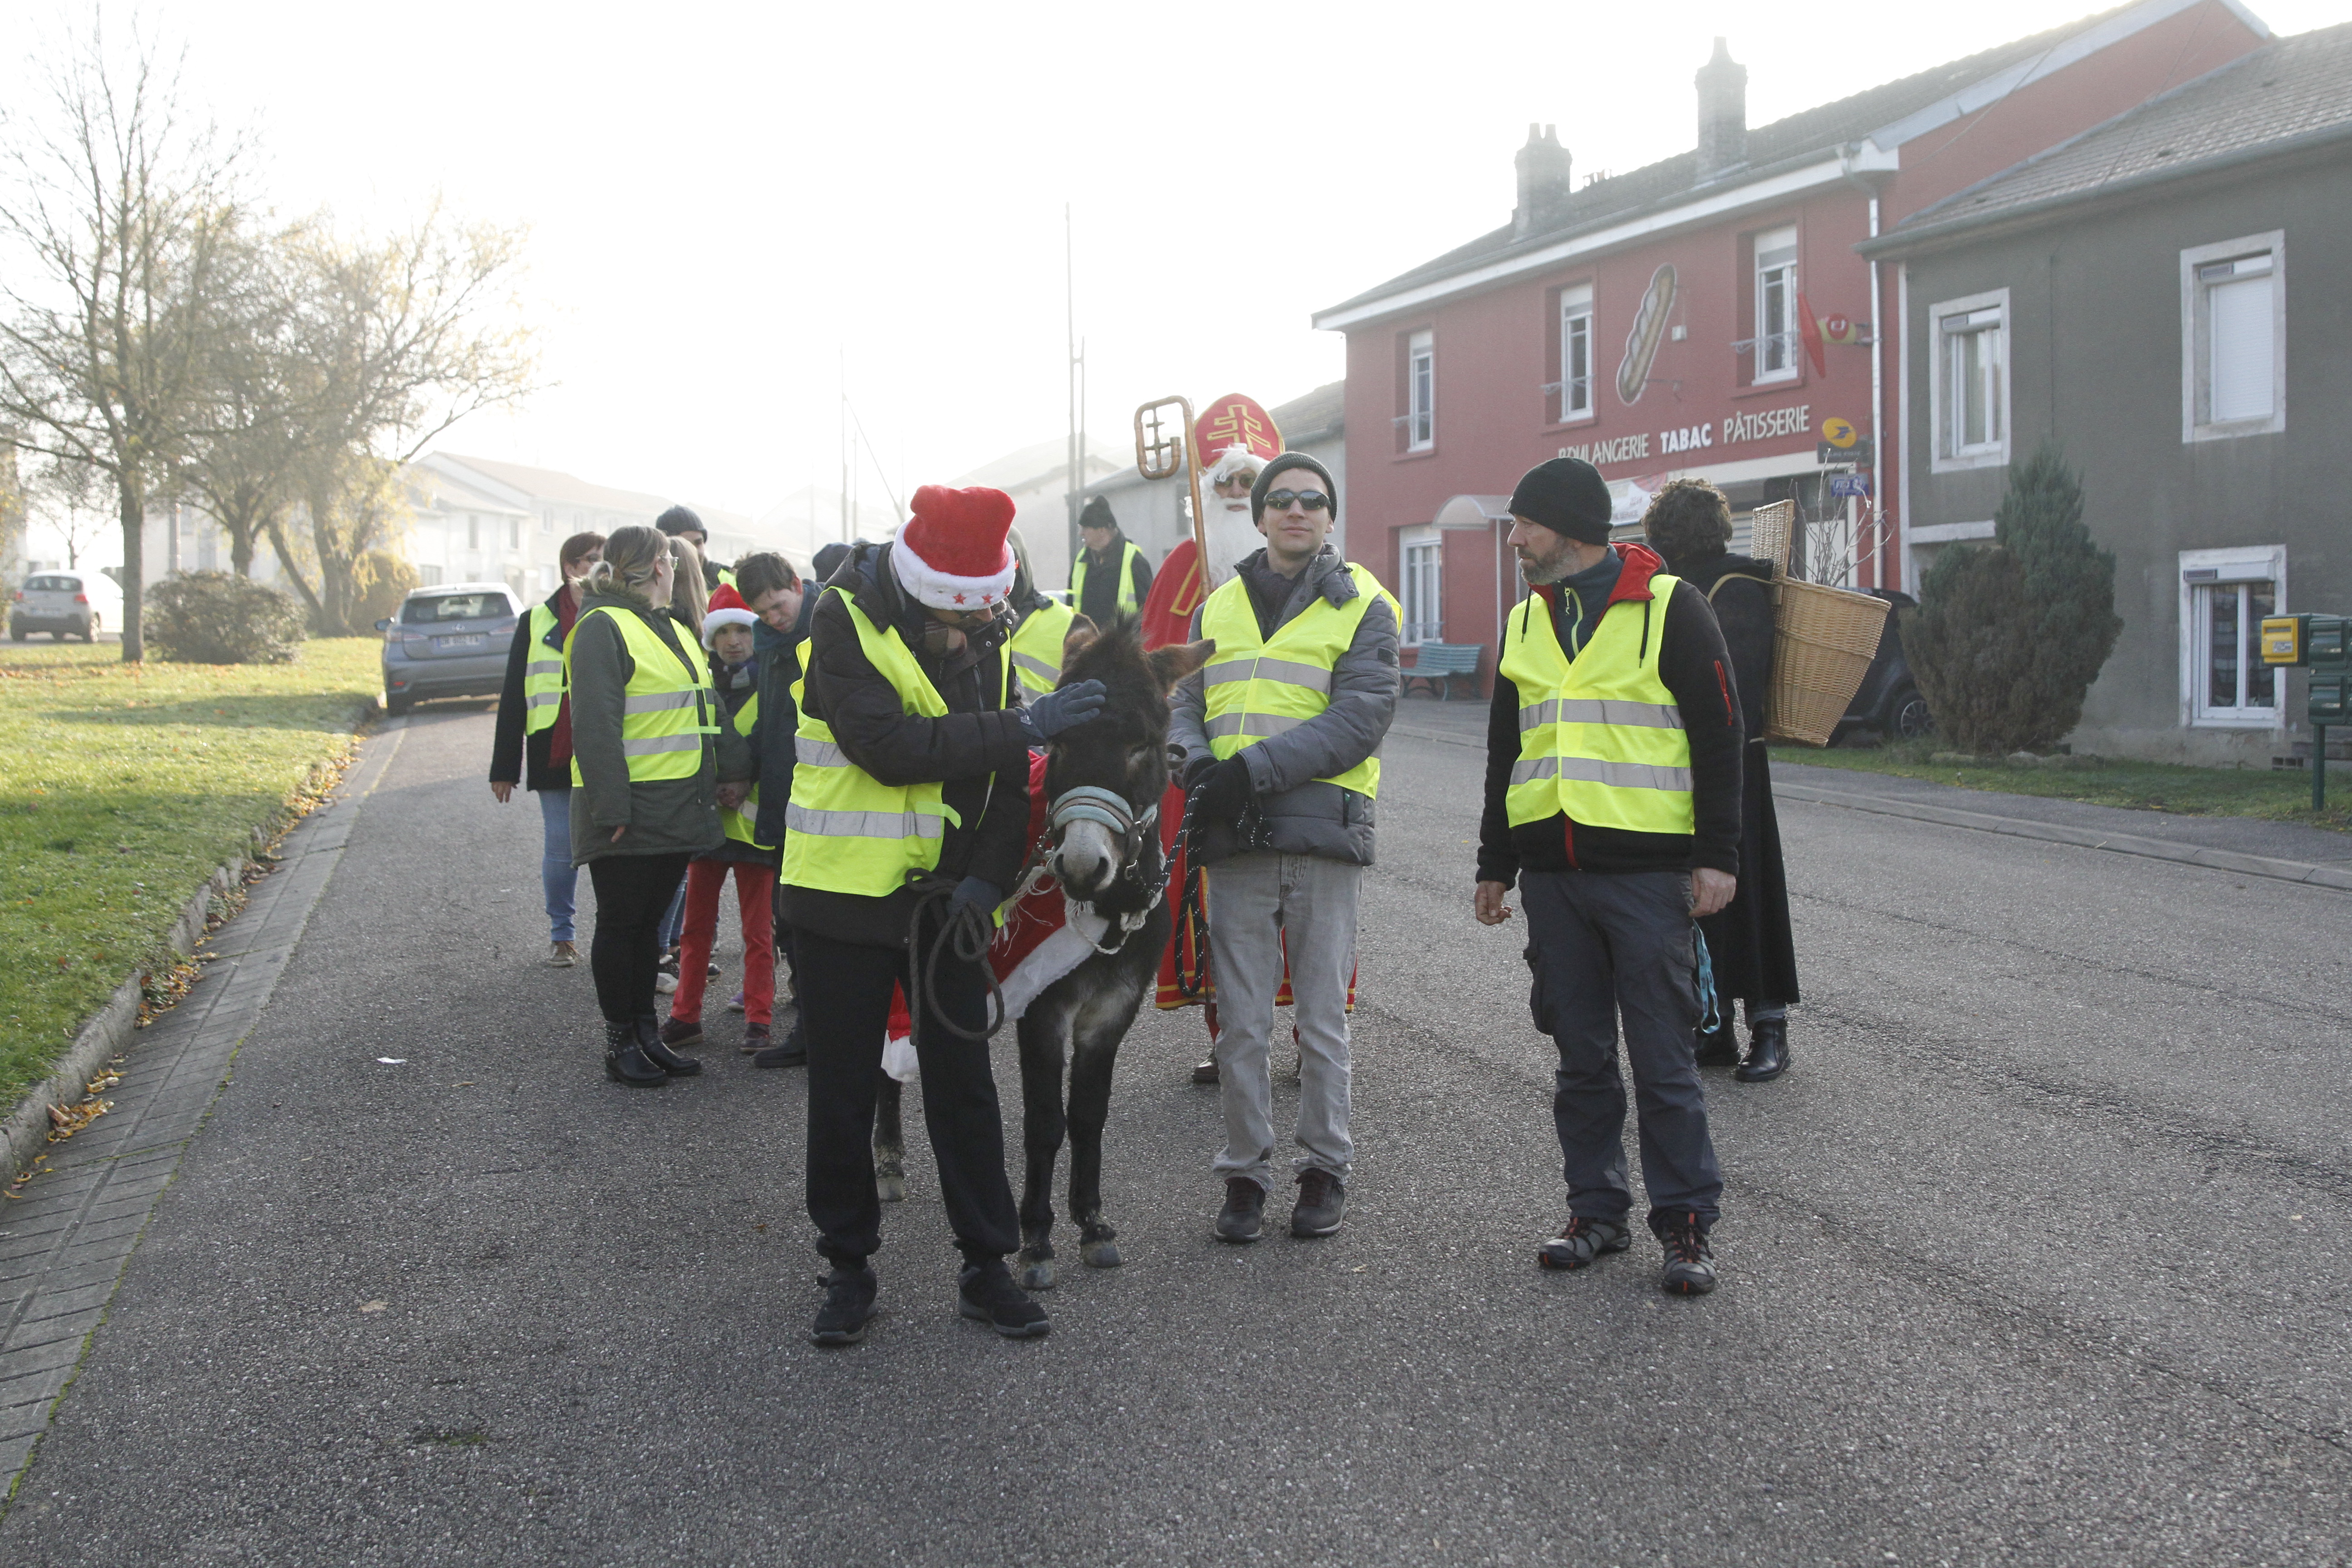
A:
{"points": [[447, 641], [57, 603]]}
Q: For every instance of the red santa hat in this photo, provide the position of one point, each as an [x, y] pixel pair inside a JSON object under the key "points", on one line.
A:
{"points": [[951, 555], [727, 609]]}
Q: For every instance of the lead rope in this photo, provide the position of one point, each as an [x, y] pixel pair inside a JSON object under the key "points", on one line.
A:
{"points": [[969, 931]]}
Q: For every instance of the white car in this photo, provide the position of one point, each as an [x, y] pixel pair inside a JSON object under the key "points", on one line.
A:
{"points": [[57, 602]]}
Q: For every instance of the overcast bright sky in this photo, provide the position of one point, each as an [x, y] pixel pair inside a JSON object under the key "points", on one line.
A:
{"points": [[726, 200]]}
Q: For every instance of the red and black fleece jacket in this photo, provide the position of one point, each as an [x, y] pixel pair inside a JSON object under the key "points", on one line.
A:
{"points": [[1695, 668]]}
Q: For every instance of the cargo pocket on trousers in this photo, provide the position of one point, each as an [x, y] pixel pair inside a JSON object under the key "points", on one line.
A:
{"points": [[1537, 1009]]}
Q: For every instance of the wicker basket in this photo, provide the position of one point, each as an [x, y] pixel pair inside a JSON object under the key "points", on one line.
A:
{"points": [[1824, 640], [1770, 531]]}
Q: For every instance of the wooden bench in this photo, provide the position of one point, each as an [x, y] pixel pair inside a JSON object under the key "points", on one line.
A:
{"points": [[1438, 665]]}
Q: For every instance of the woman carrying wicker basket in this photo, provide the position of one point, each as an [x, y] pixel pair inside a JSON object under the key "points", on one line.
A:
{"points": [[1755, 957]]}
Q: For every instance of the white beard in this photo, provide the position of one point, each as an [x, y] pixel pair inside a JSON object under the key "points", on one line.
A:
{"points": [[1231, 534]]}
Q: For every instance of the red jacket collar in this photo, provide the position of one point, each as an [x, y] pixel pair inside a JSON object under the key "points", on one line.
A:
{"points": [[1642, 564]]}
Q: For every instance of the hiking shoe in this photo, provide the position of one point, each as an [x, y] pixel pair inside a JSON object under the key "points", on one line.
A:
{"points": [[680, 1033], [1322, 1203], [735, 1003], [848, 1306], [988, 1295], [791, 1052], [562, 954], [1244, 1217], [1580, 1243], [755, 1038], [1690, 1266]]}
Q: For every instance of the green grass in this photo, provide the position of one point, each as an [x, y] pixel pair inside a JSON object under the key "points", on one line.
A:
{"points": [[122, 788], [2106, 781]]}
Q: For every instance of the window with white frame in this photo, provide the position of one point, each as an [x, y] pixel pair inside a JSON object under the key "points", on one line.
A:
{"points": [[1776, 305], [428, 576], [1969, 392], [2224, 596], [1423, 549], [1575, 352], [1421, 393], [2234, 338]]}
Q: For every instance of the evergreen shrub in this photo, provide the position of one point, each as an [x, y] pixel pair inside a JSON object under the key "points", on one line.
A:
{"points": [[220, 617]]}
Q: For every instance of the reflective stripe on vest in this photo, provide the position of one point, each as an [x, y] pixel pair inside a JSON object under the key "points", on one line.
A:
{"points": [[1257, 688], [1036, 645], [542, 675], [1128, 557], [665, 712], [848, 832], [1601, 738], [741, 821]]}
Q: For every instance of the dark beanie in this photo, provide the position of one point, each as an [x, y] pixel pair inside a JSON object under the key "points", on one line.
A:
{"points": [[1568, 496], [828, 560], [1096, 514], [680, 520], [1290, 460]]}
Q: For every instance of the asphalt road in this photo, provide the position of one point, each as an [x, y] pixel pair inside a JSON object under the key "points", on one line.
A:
{"points": [[2035, 1256]]}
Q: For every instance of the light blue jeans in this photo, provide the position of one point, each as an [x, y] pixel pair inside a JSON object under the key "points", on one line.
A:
{"points": [[557, 876]]}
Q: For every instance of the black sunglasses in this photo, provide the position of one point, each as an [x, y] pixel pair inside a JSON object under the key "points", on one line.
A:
{"points": [[1313, 501]]}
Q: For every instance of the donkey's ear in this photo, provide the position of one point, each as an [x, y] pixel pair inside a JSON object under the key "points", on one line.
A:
{"points": [[1081, 632], [1172, 664]]}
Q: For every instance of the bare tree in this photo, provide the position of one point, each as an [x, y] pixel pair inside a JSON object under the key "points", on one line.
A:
{"points": [[115, 209], [267, 405], [74, 498]]}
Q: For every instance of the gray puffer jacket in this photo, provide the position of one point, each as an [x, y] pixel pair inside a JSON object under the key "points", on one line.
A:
{"points": [[663, 817], [1303, 816]]}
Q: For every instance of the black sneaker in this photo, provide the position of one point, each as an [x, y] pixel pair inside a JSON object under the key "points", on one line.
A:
{"points": [[1580, 1243], [848, 1306], [1243, 1218], [1720, 1048], [792, 1051], [1690, 1267], [988, 1295], [1206, 1072], [1322, 1203]]}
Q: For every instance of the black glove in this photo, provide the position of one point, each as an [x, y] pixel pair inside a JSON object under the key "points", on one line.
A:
{"points": [[1061, 709], [1223, 791], [975, 893], [1196, 769]]}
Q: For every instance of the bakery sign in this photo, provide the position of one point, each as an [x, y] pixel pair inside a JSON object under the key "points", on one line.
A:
{"points": [[1758, 425]]}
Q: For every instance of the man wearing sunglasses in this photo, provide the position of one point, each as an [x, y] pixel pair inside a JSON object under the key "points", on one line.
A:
{"points": [[1281, 733]]}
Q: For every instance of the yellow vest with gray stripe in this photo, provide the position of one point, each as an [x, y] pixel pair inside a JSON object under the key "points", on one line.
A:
{"points": [[1257, 687], [542, 675], [845, 830], [1601, 737], [739, 821], [1128, 556], [1036, 647], [668, 708]]}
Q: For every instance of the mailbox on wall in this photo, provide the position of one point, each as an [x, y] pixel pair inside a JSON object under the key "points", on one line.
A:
{"points": [[2323, 645]]}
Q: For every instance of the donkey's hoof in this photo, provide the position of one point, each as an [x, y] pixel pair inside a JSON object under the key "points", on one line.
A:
{"points": [[1037, 1275], [1103, 1254], [890, 1185]]}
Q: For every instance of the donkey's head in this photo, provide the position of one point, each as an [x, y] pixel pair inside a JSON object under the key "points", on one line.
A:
{"points": [[1104, 777]]}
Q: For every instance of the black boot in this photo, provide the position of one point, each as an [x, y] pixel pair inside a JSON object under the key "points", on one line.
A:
{"points": [[649, 1041], [1720, 1048], [1767, 1051], [624, 1063]]}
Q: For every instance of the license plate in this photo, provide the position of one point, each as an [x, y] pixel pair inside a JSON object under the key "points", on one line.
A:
{"points": [[463, 640]]}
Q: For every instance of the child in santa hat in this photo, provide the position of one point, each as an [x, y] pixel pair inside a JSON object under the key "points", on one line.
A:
{"points": [[726, 635]]}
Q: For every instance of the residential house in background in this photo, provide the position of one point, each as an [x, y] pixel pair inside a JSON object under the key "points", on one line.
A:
{"points": [[2169, 297], [1156, 513], [1656, 322]]}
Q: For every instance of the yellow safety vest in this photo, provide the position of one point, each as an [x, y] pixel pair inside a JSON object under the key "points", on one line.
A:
{"points": [[542, 675], [846, 831], [667, 709], [1601, 737], [1036, 646], [1257, 686], [1127, 560], [741, 821]]}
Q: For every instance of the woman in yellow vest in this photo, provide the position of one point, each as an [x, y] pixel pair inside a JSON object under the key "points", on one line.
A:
{"points": [[648, 757], [533, 745], [911, 778]]}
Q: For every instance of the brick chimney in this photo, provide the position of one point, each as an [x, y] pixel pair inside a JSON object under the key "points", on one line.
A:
{"points": [[1722, 114], [1544, 185]]}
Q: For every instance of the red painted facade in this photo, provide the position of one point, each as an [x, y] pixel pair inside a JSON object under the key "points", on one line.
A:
{"points": [[1702, 411]]}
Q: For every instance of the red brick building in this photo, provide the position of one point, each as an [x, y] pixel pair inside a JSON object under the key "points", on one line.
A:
{"points": [[1654, 322]]}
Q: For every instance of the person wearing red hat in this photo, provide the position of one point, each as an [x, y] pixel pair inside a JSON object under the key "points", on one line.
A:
{"points": [[908, 826]]}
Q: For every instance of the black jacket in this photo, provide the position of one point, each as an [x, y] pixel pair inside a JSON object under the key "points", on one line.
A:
{"points": [[771, 738], [1102, 586], [980, 751], [515, 757], [1695, 668]]}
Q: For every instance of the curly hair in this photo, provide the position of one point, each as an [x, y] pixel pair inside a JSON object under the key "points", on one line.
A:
{"points": [[1688, 520]]}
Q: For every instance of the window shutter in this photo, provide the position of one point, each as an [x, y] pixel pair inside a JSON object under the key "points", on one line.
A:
{"points": [[2238, 324]]}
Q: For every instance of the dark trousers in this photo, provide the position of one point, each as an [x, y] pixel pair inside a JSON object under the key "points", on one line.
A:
{"points": [[632, 894], [1602, 946], [844, 1011]]}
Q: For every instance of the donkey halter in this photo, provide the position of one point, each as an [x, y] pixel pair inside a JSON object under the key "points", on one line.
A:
{"points": [[1109, 808]]}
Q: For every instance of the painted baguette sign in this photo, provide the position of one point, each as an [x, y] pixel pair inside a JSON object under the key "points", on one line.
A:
{"points": [[1648, 331], [1762, 424]]}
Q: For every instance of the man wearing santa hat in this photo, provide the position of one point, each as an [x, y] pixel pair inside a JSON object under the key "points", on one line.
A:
{"points": [[912, 777]]}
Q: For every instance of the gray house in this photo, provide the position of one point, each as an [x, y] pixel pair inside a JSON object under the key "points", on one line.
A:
{"points": [[2170, 296]]}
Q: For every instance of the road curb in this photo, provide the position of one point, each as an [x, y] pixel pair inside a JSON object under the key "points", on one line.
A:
{"points": [[2301, 871]]}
